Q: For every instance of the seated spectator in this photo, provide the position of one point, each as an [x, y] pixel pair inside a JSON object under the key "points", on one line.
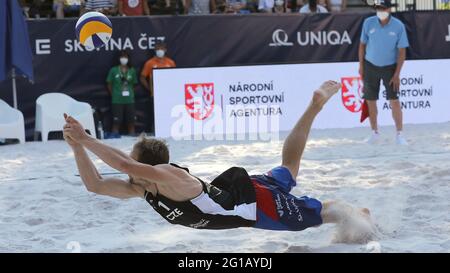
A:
{"points": [[337, 5], [266, 6], [324, 3], [236, 6], [313, 7], [121, 81], [199, 7], [252, 6], [296, 5], [115, 9], [292, 5], [106, 7], [66, 8], [25, 7], [36, 8], [166, 7], [280, 6], [133, 7], [221, 6]]}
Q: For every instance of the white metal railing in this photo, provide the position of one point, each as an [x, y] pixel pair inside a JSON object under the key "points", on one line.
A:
{"points": [[405, 5]]}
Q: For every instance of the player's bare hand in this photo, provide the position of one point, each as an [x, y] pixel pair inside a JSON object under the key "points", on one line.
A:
{"points": [[74, 130]]}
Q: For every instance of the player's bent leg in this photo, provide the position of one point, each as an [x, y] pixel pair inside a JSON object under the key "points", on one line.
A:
{"points": [[294, 144]]}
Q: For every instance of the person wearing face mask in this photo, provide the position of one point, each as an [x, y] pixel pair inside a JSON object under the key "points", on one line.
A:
{"points": [[266, 5], [382, 52], [121, 81], [279, 7], [199, 7], [337, 5], [160, 60], [313, 7]]}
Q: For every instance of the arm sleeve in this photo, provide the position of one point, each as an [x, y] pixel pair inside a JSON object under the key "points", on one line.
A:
{"points": [[146, 70], [403, 38], [364, 37]]}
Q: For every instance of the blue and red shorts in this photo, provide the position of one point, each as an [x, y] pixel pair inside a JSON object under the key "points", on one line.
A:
{"points": [[277, 209]]}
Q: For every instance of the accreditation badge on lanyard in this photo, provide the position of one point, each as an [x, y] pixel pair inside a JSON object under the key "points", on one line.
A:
{"points": [[125, 93], [125, 89]]}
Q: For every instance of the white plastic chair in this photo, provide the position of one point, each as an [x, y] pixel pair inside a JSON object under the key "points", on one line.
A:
{"points": [[50, 109], [11, 123]]}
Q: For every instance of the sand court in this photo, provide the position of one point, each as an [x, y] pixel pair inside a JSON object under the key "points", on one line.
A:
{"points": [[45, 207]]}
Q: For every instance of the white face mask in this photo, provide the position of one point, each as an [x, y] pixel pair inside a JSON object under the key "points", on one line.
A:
{"points": [[382, 15], [279, 2], [160, 53], [123, 61]]}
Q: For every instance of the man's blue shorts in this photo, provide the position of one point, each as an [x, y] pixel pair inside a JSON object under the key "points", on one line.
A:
{"points": [[277, 209]]}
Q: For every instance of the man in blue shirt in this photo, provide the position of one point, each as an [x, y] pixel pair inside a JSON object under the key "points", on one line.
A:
{"points": [[382, 52]]}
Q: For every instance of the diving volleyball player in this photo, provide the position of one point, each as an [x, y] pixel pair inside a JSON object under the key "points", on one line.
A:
{"points": [[234, 198]]}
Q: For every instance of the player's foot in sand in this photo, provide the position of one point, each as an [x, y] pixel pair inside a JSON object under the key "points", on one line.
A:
{"points": [[355, 226], [325, 92], [365, 211]]}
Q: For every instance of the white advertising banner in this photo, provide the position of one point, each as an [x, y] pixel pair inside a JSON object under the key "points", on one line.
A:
{"points": [[260, 99]]}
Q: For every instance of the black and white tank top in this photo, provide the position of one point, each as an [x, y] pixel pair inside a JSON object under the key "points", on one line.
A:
{"points": [[228, 202]]}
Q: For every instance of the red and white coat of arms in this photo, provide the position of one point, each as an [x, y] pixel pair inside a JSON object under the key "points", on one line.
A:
{"points": [[199, 99], [352, 92]]}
